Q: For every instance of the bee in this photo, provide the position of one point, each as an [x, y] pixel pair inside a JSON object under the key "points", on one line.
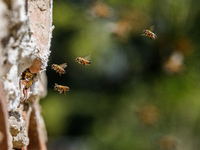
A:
{"points": [[28, 84], [175, 63], [148, 114], [122, 29], [61, 88], [100, 10], [59, 68], [149, 33], [83, 60], [28, 77], [168, 142]]}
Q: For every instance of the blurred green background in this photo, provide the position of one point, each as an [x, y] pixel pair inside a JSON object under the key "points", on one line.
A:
{"points": [[137, 93]]}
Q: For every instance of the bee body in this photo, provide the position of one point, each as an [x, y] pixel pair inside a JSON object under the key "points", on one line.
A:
{"points": [[83, 60], [59, 68], [61, 88], [29, 78], [28, 84], [149, 33]]}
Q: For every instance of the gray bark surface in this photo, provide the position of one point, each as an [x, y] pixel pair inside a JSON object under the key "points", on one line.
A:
{"points": [[25, 36]]}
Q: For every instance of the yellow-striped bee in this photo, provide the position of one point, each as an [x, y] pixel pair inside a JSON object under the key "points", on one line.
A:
{"points": [[149, 33], [29, 78], [61, 88], [83, 60], [59, 68]]}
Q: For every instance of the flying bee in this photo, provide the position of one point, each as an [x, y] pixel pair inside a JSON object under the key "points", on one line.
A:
{"points": [[83, 60], [100, 10], [59, 68], [149, 33], [61, 88]]}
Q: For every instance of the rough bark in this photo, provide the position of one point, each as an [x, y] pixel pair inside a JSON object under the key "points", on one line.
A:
{"points": [[25, 36]]}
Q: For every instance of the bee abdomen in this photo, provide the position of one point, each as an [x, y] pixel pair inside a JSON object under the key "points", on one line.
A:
{"points": [[63, 71], [154, 36]]}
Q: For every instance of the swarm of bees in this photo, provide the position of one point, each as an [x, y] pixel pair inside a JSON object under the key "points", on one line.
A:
{"points": [[30, 78], [85, 61], [61, 70], [101, 10]]}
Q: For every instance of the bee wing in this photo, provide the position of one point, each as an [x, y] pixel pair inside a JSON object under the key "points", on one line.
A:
{"points": [[64, 65], [68, 89], [87, 57], [143, 34], [152, 28]]}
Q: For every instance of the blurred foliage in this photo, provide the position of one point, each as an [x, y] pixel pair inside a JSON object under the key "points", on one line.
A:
{"points": [[137, 93]]}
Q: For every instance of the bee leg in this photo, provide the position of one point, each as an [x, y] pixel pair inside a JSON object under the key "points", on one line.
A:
{"points": [[58, 71], [26, 87], [84, 63], [62, 91]]}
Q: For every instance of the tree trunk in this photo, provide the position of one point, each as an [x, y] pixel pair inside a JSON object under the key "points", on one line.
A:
{"points": [[25, 36]]}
